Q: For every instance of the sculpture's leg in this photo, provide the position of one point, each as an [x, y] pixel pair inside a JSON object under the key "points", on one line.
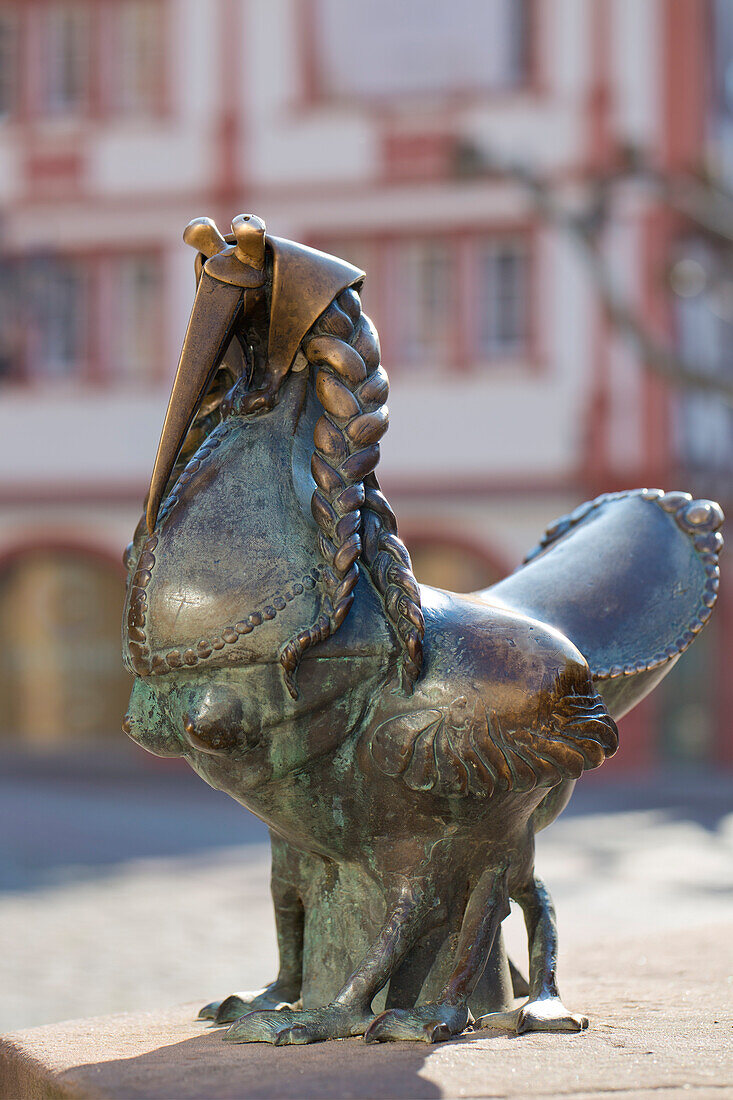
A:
{"points": [[544, 1011], [284, 992], [350, 1011], [448, 1014]]}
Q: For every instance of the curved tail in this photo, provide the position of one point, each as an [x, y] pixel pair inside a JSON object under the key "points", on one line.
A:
{"points": [[631, 578]]}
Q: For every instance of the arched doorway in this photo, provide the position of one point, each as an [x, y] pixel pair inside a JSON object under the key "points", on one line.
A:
{"points": [[61, 676]]}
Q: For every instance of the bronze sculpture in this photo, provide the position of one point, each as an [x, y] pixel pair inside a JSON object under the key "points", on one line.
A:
{"points": [[403, 744]]}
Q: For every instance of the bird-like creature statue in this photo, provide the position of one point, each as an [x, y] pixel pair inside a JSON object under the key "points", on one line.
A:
{"points": [[403, 744]]}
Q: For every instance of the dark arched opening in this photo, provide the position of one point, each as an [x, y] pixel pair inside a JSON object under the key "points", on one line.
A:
{"points": [[61, 676]]}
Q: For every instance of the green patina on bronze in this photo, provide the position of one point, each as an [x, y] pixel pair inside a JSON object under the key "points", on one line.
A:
{"points": [[403, 744]]}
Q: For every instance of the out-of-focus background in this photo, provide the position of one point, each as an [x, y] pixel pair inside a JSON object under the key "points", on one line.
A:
{"points": [[541, 193]]}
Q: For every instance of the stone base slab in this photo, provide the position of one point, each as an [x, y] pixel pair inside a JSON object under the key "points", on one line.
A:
{"points": [[661, 1020]]}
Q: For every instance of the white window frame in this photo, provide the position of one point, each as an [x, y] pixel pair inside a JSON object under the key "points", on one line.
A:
{"points": [[56, 100], [490, 342], [136, 317], [9, 60], [417, 48], [132, 92], [56, 353]]}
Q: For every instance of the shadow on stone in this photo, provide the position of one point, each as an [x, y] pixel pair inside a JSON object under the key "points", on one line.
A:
{"points": [[204, 1066]]}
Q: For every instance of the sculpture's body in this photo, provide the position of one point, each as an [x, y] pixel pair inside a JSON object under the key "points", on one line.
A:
{"points": [[403, 744]]}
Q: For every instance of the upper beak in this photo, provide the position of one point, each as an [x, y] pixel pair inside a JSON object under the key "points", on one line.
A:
{"points": [[215, 311], [219, 301]]}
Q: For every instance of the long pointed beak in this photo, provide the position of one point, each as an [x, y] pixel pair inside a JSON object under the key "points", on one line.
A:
{"points": [[215, 309]]}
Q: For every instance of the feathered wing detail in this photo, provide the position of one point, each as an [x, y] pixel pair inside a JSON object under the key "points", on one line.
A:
{"points": [[462, 750]]}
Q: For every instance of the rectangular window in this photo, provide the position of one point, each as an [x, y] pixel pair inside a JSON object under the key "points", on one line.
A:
{"points": [[502, 299], [704, 323], [12, 321], [66, 57], [419, 46], [9, 45], [720, 85], [57, 318], [721, 48], [137, 320], [445, 302], [136, 61], [66, 318], [84, 56], [425, 311]]}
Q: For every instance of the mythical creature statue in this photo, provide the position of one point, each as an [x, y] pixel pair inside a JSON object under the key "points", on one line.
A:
{"points": [[403, 744]]}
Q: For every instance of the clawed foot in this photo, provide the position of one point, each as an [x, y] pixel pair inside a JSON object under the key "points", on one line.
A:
{"points": [[272, 997], [429, 1023], [287, 1026], [546, 1014]]}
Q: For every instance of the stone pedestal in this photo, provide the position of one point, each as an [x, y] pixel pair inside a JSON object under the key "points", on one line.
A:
{"points": [[661, 1011]]}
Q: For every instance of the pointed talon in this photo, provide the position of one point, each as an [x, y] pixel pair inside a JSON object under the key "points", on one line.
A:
{"points": [[297, 1036], [568, 1022], [237, 1005], [230, 1009], [429, 1023], [544, 1014], [371, 1035], [505, 1021], [549, 1014], [254, 1027], [295, 1027]]}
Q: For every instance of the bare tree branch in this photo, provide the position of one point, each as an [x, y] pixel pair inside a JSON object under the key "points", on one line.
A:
{"points": [[712, 211]]}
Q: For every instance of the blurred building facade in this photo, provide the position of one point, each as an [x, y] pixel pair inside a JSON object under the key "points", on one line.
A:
{"points": [[378, 132]]}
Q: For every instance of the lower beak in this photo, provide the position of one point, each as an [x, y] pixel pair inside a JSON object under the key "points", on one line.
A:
{"points": [[215, 310]]}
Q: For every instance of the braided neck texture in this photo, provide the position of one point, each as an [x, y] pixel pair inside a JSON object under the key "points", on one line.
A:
{"points": [[355, 521]]}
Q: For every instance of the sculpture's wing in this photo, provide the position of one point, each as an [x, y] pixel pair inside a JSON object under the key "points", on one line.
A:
{"points": [[630, 578], [468, 749]]}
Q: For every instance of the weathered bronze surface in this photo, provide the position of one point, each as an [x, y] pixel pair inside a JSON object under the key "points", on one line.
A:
{"points": [[402, 743]]}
